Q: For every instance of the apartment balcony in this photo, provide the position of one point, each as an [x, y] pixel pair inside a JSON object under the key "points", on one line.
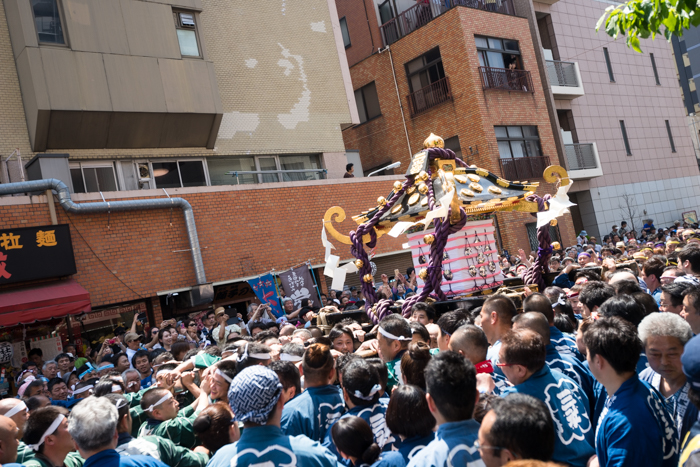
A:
{"points": [[421, 14], [565, 79], [523, 168], [505, 79], [582, 161], [430, 96]]}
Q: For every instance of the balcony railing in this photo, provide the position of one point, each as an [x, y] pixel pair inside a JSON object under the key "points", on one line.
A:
{"points": [[506, 79], [580, 156], [430, 96], [273, 176], [562, 73], [421, 14], [523, 168]]}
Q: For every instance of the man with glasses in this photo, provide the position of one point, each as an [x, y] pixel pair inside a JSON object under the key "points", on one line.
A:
{"points": [[522, 359], [517, 427]]}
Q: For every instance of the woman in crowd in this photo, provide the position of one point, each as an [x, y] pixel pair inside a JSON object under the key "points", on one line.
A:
{"points": [[342, 339], [215, 427], [409, 418], [355, 442], [413, 364]]}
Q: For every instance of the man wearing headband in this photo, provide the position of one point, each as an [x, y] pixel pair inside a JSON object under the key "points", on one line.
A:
{"points": [[93, 426], [15, 409], [255, 398], [220, 380], [451, 394], [159, 448], [393, 336], [321, 404], [361, 391], [164, 419], [49, 442]]}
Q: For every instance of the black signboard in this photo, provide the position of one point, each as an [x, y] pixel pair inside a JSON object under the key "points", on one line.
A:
{"points": [[35, 253]]}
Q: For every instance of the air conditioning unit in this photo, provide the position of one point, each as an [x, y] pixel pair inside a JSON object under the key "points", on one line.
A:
{"points": [[186, 20]]}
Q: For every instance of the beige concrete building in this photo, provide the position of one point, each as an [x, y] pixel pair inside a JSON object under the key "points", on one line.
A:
{"points": [[175, 93]]}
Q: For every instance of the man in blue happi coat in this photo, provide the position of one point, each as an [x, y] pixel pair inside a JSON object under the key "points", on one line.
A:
{"points": [[523, 362], [255, 398], [564, 343], [321, 404], [451, 395], [634, 429]]}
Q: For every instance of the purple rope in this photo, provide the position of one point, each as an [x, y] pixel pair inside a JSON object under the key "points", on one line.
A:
{"points": [[358, 249], [535, 273]]}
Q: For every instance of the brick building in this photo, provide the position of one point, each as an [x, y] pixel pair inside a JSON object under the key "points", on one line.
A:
{"points": [[146, 100], [469, 74]]}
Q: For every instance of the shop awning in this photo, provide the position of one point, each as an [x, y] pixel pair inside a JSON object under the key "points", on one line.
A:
{"points": [[53, 300]]}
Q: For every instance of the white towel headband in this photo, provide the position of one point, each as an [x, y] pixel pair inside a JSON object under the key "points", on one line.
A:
{"points": [[16, 409], [49, 431], [389, 335], [167, 396]]}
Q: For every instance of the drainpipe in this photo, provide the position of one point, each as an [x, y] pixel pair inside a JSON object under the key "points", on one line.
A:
{"points": [[68, 205], [398, 96]]}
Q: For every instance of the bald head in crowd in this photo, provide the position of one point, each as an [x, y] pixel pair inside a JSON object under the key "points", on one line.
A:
{"points": [[470, 341], [9, 440], [17, 410], [539, 302], [534, 321]]}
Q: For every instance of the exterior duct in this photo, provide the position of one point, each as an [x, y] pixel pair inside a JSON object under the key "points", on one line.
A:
{"points": [[84, 208]]}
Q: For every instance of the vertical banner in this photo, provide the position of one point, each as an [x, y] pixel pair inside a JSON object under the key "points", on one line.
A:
{"points": [[19, 354], [298, 284], [264, 288], [470, 261]]}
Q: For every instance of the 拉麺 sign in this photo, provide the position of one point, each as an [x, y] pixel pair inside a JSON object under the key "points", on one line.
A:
{"points": [[35, 253]]}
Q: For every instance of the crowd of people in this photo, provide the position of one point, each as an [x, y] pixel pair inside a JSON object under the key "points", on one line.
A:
{"points": [[601, 368]]}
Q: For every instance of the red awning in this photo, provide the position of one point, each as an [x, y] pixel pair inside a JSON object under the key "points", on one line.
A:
{"points": [[53, 300]]}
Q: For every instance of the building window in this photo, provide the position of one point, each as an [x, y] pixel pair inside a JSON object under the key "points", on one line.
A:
{"points": [[186, 28], [367, 102], [345, 32], [653, 66], [178, 174], [670, 136], [47, 19], [498, 53], [425, 70], [518, 141], [93, 177], [624, 137], [283, 168], [607, 63]]}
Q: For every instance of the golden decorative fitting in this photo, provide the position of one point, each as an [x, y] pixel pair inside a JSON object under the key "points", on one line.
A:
{"points": [[433, 141], [410, 190], [482, 172], [462, 179], [422, 188], [396, 208], [473, 178], [368, 278], [495, 190], [423, 274], [428, 239], [413, 199], [556, 245], [422, 176], [397, 185], [503, 183], [555, 173], [359, 263], [468, 193], [381, 201], [424, 202], [476, 187], [553, 222]]}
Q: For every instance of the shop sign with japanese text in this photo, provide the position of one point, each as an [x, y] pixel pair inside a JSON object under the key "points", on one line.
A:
{"points": [[35, 253]]}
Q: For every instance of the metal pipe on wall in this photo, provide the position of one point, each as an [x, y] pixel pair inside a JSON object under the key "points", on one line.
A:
{"points": [[68, 205]]}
